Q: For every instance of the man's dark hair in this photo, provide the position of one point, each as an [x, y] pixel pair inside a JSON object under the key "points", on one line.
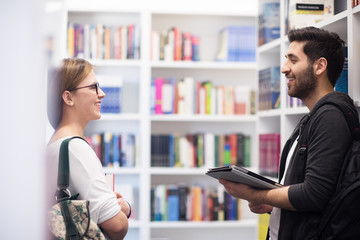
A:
{"points": [[321, 43]]}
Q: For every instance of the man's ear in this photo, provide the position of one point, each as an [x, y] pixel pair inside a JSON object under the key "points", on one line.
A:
{"points": [[67, 98], [320, 66]]}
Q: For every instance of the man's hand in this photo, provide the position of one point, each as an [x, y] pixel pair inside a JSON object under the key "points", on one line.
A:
{"points": [[260, 208]]}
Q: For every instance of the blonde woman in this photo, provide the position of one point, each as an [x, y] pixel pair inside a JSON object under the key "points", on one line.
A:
{"points": [[76, 102]]}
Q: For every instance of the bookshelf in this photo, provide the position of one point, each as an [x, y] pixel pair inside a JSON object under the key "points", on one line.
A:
{"points": [[137, 74], [136, 117]]}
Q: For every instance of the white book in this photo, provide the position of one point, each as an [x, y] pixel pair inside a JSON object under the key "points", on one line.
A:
{"points": [[222, 54], [169, 47], [124, 44], [209, 150], [93, 42], [167, 97], [220, 100], [87, 41], [184, 151], [243, 97], [181, 97], [155, 46], [189, 95]]}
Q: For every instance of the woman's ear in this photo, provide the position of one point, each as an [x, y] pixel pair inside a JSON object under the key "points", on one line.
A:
{"points": [[320, 66], [67, 98]]}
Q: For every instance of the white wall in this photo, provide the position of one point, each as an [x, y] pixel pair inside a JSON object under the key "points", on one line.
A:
{"points": [[22, 121]]}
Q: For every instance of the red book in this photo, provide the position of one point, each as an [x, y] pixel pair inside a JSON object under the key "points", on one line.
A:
{"points": [[186, 47]]}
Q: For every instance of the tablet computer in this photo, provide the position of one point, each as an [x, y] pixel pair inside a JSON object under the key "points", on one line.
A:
{"points": [[242, 175]]}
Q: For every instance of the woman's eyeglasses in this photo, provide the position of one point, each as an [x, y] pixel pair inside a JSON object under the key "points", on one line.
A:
{"points": [[95, 86]]}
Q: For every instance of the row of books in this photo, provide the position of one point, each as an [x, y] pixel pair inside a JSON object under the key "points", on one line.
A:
{"points": [[269, 21], [269, 158], [98, 41], [194, 203], [200, 150], [188, 96], [293, 102], [269, 88], [237, 44], [115, 150], [174, 45]]}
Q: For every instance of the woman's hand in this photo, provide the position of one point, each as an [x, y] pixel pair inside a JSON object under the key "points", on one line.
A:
{"points": [[125, 206]]}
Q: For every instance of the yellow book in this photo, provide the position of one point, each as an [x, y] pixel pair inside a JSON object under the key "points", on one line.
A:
{"points": [[263, 225], [70, 39]]}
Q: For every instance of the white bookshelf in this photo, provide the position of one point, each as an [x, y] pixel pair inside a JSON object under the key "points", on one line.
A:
{"points": [[137, 74], [136, 118]]}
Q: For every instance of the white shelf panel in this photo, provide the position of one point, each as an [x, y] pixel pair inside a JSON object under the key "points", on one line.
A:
{"points": [[205, 65], [121, 170], [205, 224], [203, 118], [120, 117], [295, 111], [115, 63], [356, 9], [134, 223], [331, 20], [177, 171], [269, 113], [270, 46]]}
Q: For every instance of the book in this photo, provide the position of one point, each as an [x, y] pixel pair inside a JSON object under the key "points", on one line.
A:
{"points": [[304, 13], [242, 175], [112, 85], [110, 180]]}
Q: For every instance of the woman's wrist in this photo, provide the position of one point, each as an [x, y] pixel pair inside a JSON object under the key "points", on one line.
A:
{"points": [[128, 216]]}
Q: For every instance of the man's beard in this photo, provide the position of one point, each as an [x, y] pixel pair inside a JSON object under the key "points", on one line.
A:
{"points": [[304, 84]]}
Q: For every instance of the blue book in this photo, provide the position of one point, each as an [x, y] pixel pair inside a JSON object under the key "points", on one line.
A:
{"points": [[173, 204], [112, 102], [171, 151], [115, 150], [342, 82], [107, 149]]}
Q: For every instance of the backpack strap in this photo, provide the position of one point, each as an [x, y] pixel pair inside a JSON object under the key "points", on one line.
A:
{"points": [[63, 192], [297, 131]]}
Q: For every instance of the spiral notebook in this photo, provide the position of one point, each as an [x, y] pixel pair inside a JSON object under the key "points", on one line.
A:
{"points": [[242, 175]]}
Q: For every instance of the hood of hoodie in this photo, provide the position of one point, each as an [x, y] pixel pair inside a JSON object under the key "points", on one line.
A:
{"points": [[346, 105]]}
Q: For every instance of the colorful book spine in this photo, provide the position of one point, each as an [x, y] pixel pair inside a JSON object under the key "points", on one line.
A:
{"points": [[193, 203], [188, 96], [97, 41], [115, 150], [200, 150]]}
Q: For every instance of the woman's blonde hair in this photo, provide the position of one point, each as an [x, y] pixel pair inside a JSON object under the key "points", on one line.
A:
{"points": [[69, 75]]}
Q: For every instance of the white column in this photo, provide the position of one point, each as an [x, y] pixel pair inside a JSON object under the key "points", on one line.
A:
{"points": [[22, 120]]}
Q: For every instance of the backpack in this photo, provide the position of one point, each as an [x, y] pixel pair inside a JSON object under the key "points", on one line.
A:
{"points": [[341, 218]]}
